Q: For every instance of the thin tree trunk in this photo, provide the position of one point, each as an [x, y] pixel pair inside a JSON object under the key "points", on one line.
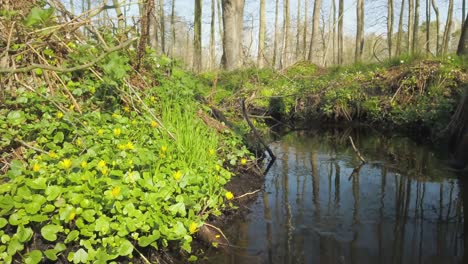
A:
{"points": [[416, 28], [212, 35], [304, 34], [197, 52], [72, 7], [286, 22], [233, 12], [147, 10], [298, 33], [275, 43], [313, 48], [389, 27], [163, 26], [359, 31], [428, 27], [410, 25], [120, 16], [448, 27], [436, 11], [463, 12], [400, 29], [153, 25], [334, 31], [462, 49], [340, 31], [173, 28], [220, 20], [261, 36]]}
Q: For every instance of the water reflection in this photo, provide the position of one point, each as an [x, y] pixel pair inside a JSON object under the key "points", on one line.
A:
{"points": [[321, 206]]}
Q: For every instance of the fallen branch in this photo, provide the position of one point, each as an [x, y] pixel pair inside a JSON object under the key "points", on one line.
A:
{"points": [[31, 147], [247, 194], [72, 69], [254, 130], [356, 150], [219, 231]]}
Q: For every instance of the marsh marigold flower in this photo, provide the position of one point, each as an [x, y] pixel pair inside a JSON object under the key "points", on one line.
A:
{"points": [[177, 175], [116, 191], [163, 149], [193, 227], [229, 195], [59, 115], [212, 151], [243, 161], [100, 132], [66, 164], [117, 132], [154, 124], [84, 164], [36, 167]]}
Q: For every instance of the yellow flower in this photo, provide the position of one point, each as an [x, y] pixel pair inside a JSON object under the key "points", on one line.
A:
{"points": [[79, 142], [152, 99], [115, 115], [101, 164], [217, 167], [36, 167], [84, 164], [116, 191], [100, 132], [177, 175], [243, 161], [104, 170], [66, 164], [53, 155], [117, 131], [71, 216], [163, 149], [229, 195], [71, 107], [121, 147], [130, 145], [154, 124], [212, 151], [192, 227], [126, 109], [134, 122], [59, 115]]}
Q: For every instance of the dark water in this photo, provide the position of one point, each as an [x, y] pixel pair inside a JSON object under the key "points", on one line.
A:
{"points": [[321, 206]]}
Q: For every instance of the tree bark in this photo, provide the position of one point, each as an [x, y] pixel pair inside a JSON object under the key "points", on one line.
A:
{"points": [[359, 31], [212, 35], [436, 11], [298, 32], [410, 25], [334, 32], [315, 30], [463, 11], [153, 25], [428, 27], [147, 10], [286, 23], [197, 52], [448, 27], [163, 26], [340, 31], [275, 43], [462, 49], [261, 36], [389, 27], [400, 29], [416, 28], [220, 20], [233, 21], [173, 28], [120, 16], [304, 34]]}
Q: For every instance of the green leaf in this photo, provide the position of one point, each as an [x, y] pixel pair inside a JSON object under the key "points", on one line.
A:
{"points": [[52, 192], [16, 117], [33, 257], [51, 254], [144, 241], [58, 138], [102, 225], [125, 248], [72, 236], [14, 246], [38, 16], [24, 234], [38, 183], [3, 222], [178, 208], [80, 256], [49, 232]]}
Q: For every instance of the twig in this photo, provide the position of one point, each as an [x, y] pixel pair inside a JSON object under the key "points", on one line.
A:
{"points": [[31, 147], [219, 230], [72, 69], [143, 257], [5, 52], [356, 150], [246, 194], [254, 130]]}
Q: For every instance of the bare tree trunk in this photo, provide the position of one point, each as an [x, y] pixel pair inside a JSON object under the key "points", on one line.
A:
{"points": [[286, 22], [212, 35], [261, 36], [220, 20], [163, 26], [400, 29], [334, 32], [340, 31], [436, 10], [233, 11], [462, 49], [315, 30], [448, 27], [410, 25], [416, 27], [153, 25], [389, 27], [359, 31], [197, 52], [463, 12], [298, 33], [275, 44], [120, 16], [428, 27], [173, 28], [146, 12], [304, 34], [72, 7]]}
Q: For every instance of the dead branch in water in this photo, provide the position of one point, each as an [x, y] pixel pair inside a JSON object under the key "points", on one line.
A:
{"points": [[356, 150], [247, 194]]}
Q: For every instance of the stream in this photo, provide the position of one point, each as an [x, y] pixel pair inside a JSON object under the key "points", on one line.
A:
{"points": [[320, 205]]}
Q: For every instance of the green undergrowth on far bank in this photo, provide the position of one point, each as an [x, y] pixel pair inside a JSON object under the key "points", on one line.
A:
{"points": [[409, 92], [107, 163]]}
